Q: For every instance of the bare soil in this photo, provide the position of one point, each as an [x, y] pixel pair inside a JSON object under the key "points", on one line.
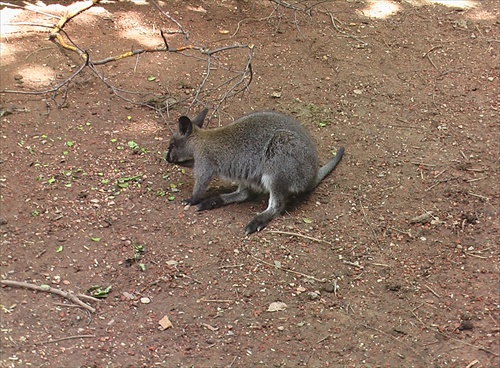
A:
{"points": [[414, 98]]}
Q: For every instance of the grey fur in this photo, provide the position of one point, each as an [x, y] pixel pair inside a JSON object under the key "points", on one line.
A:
{"points": [[264, 152]]}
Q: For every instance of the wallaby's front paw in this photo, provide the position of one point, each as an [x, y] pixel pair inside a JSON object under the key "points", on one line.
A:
{"points": [[187, 201], [257, 224], [210, 203]]}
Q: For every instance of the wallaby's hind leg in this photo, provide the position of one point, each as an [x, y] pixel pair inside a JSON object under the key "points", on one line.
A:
{"points": [[277, 202], [239, 195]]}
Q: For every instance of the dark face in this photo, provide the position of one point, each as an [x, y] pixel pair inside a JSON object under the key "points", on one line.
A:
{"points": [[179, 151]]}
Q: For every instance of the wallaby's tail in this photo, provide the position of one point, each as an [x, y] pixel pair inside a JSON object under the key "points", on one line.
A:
{"points": [[329, 166]]}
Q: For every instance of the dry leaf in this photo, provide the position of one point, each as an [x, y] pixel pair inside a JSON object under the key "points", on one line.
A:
{"points": [[211, 328], [198, 9], [165, 323]]}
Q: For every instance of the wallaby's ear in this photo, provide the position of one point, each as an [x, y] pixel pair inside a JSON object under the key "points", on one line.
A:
{"points": [[198, 120], [185, 125]]}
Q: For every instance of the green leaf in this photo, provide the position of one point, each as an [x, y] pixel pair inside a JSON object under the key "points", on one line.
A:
{"points": [[142, 267], [99, 291], [59, 249], [151, 78], [95, 239], [132, 144], [70, 143], [307, 220], [129, 117], [51, 180], [114, 140]]}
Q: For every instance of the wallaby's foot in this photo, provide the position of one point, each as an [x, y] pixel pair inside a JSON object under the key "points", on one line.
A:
{"points": [[189, 201], [210, 203], [257, 224]]}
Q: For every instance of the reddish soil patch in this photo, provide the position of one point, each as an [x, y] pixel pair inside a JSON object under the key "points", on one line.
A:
{"points": [[414, 99]]}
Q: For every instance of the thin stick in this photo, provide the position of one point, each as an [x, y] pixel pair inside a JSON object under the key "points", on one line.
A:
{"points": [[366, 220], [49, 289], [478, 196], [473, 363], [297, 235], [323, 339], [439, 173], [231, 266], [476, 179], [288, 270], [402, 343], [64, 339], [479, 347], [167, 14], [442, 181], [423, 164], [217, 300], [432, 291], [230, 365], [475, 255]]}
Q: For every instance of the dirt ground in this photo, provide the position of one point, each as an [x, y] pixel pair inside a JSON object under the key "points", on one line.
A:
{"points": [[393, 261]]}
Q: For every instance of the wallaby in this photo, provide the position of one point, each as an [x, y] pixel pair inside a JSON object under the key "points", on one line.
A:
{"points": [[264, 152]]}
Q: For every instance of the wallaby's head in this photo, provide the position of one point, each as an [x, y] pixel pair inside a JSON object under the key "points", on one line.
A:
{"points": [[180, 151]]}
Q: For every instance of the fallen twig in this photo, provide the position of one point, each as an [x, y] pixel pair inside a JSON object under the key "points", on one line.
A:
{"points": [[298, 235], [64, 339], [288, 270], [478, 196], [442, 181], [396, 339], [366, 220], [345, 34], [235, 83], [49, 289], [323, 339], [429, 58], [167, 15], [216, 300], [432, 291], [56, 35]]}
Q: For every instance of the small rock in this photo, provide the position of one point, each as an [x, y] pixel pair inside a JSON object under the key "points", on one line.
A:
{"points": [[128, 296], [276, 306], [329, 288], [3, 221], [313, 295], [466, 325], [145, 300]]}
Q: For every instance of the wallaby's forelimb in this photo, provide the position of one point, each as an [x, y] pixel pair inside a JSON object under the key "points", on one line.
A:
{"points": [[239, 195]]}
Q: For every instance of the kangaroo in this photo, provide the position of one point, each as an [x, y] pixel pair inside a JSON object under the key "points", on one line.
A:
{"points": [[262, 152]]}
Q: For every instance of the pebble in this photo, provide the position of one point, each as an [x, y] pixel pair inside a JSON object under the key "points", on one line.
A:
{"points": [[145, 300]]}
